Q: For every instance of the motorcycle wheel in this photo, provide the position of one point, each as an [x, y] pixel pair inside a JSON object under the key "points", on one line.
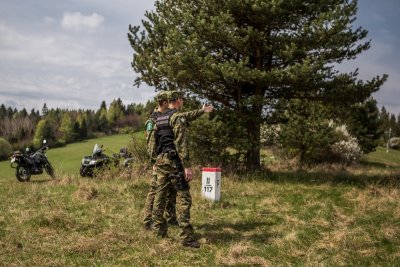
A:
{"points": [[23, 174], [50, 170]]}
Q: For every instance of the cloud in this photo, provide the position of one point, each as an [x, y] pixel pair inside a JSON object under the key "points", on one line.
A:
{"points": [[77, 21], [62, 51], [64, 71]]}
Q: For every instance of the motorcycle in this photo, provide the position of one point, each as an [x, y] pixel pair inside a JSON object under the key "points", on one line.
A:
{"points": [[31, 164], [98, 161]]}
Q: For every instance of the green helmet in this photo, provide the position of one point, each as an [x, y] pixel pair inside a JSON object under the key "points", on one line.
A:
{"points": [[161, 96], [173, 95]]}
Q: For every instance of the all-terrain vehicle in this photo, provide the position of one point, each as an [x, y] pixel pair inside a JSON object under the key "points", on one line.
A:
{"points": [[97, 161]]}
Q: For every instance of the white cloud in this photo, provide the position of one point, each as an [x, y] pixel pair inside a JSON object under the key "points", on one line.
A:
{"points": [[63, 70], [62, 51], [77, 21]]}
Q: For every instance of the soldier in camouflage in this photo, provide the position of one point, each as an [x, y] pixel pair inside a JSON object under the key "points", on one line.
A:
{"points": [[173, 166], [170, 213]]}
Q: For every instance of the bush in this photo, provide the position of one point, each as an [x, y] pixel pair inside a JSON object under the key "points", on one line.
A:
{"points": [[269, 134], [138, 149], [394, 143], [347, 149], [5, 149]]}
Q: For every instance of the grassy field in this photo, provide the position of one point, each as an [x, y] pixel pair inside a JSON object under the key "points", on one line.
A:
{"points": [[324, 216], [67, 160]]}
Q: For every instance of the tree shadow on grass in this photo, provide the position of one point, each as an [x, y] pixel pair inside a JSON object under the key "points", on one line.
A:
{"points": [[40, 181], [378, 165], [236, 232], [332, 177]]}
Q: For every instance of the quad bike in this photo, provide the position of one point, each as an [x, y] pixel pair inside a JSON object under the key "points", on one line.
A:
{"points": [[97, 161]]}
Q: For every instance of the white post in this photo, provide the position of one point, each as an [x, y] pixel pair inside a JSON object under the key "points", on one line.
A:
{"points": [[211, 183], [388, 142]]}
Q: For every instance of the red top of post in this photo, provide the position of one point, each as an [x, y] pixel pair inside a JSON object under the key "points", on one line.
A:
{"points": [[206, 169]]}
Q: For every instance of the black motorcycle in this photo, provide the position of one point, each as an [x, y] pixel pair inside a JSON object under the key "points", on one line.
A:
{"points": [[31, 163], [98, 161]]}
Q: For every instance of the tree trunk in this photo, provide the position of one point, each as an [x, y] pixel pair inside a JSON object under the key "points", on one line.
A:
{"points": [[253, 126], [253, 152]]}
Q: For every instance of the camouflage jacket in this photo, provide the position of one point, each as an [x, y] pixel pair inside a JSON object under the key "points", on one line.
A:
{"points": [[179, 123], [150, 136]]}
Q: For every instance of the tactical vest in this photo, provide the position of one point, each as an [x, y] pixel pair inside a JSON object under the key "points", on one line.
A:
{"points": [[164, 133]]}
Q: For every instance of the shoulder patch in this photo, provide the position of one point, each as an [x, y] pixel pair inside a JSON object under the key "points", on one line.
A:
{"points": [[149, 126]]}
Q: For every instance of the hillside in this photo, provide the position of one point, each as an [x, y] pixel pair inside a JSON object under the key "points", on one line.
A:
{"points": [[67, 160], [318, 217]]}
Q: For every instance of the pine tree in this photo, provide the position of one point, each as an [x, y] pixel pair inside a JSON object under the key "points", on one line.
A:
{"points": [[248, 56], [23, 113], [384, 121], [398, 126], [393, 125], [45, 110], [365, 123], [9, 112], [76, 130], [308, 133], [103, 105], [102, 124], [83, 129], [3, 111]]}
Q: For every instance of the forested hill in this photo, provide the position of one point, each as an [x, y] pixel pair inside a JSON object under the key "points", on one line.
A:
{"points": [[20, 128]]}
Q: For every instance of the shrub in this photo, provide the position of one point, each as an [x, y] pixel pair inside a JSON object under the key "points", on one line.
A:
{"points": [[394, 143], [269, 134], [347, 149], [5, 148], [138, 150]]}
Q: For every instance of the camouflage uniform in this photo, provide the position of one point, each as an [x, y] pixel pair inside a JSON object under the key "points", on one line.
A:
{"points": [[170, 212], [170, 171]]}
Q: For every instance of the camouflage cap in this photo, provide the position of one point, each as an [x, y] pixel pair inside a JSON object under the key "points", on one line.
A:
{"points": [[173, 95], [162, 96]]}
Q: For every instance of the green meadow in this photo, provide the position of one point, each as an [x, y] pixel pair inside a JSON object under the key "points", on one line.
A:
{"points": [[324, 216], [67, 159]]}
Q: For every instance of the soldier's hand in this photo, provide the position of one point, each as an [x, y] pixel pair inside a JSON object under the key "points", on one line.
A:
{"points": [[207, 108], [188, 174]]}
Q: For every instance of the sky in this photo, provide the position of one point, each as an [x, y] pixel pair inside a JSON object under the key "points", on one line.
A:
{"points": [[75, 53]]}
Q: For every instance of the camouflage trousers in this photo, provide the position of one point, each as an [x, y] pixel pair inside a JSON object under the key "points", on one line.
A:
{"points": [[170, 213], [167, 175]]}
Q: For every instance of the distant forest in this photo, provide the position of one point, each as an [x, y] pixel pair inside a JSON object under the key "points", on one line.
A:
{"points": [[21, 129]]}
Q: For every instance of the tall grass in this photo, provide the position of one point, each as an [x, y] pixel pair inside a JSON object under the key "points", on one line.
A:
{"points": [[329, 215], [321, 218]]}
